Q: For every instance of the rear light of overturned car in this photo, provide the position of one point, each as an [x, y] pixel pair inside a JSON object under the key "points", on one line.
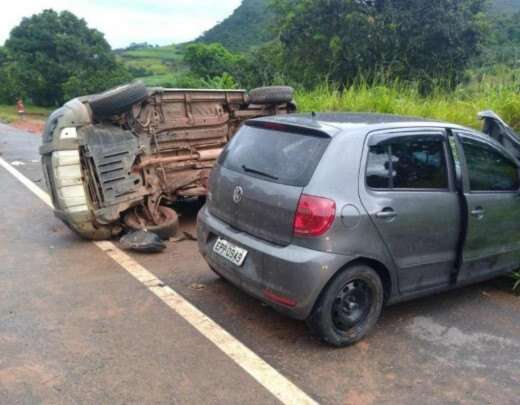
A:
{"points": [[314, 216]]}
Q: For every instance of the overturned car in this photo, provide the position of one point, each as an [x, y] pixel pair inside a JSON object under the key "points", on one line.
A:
{"points": [[118, 159]]}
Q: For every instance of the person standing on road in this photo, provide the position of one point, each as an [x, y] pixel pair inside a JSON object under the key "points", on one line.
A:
{"points": [[20, 107]]}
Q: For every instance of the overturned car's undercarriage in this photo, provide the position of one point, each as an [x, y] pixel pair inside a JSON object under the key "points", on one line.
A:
{"points": [[118, 159]]}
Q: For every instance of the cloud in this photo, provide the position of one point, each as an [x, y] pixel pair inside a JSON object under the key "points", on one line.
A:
{"points": [[159, 22]]}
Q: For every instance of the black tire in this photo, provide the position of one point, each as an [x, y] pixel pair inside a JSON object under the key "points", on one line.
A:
{"points": [[166, 230], [118, 99], [271, 95], [334, 320]]}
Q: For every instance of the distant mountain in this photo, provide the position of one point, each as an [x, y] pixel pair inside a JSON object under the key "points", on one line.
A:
{"points": [[248, 26]]}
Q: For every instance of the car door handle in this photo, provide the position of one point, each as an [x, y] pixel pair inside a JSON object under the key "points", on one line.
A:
{"points": [[478, 212], [387, 213]]}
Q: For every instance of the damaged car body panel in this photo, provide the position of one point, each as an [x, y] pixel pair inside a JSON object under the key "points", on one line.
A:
{"points": [[133, 147], [496, 128]]}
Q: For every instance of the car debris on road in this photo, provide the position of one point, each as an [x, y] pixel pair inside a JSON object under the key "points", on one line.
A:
{"points": [[142, 241]]}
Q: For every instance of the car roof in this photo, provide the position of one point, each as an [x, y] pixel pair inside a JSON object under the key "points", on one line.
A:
{"points": [[334, 123]]}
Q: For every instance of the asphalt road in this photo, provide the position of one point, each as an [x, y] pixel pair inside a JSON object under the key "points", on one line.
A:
{"points": [[76, 328]]}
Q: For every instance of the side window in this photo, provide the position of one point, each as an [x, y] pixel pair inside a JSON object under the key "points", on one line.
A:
{"points": [[408, 162], [378, 168], [419, 162], [488, 169]]}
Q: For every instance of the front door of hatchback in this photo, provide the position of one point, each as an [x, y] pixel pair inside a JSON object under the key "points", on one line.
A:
{"points": [[491, 188], [411, 199]]}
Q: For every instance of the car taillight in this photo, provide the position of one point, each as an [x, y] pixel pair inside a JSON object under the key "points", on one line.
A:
{"points": [[314, 216], [279, 299]]}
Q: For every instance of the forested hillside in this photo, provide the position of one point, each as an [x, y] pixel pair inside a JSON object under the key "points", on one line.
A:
{"points": [[251, 24], [248, 26]]}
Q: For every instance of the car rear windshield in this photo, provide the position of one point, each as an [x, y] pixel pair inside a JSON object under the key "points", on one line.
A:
{"points": [[274, 155]]}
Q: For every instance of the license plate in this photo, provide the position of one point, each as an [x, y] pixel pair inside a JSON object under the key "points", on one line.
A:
{"points": [[232, 253]]}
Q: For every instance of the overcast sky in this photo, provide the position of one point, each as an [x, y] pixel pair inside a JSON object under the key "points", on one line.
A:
{"points": [[160, 22]]}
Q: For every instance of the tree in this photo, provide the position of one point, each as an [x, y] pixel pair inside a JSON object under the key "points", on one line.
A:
{"points": [[343, 40], [502, 46], [8, 92], [215, 66], [208, 61], [54, 56], [326, 39], [3, 56], [433, 41], [263, 66]]}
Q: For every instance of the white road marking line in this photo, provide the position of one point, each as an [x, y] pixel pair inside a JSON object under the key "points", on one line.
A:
{"points": [[261, 371], [42, 195]]}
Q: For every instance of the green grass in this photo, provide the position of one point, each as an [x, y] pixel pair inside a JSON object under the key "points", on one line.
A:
{"points": [[162, 61], [8, 112], [460, 106], [165, 53], [154, 66], [516, 278]]}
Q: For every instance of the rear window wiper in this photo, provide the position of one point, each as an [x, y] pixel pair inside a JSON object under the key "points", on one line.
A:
{"points": [[250, 170]]}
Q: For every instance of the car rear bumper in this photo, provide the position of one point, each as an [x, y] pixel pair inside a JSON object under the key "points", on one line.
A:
{"points": [[271, 273]]}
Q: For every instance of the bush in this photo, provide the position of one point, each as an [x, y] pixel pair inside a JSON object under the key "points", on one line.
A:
{"points": [[138, 71], [87, 82], [190, 81], [224, 81], [211, 60]]}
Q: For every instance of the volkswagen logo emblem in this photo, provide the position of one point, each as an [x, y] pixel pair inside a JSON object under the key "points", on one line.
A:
{"points": [[238, 192]]}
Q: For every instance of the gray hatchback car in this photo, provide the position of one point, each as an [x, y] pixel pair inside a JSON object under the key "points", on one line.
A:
{"points": [[329, 217]]}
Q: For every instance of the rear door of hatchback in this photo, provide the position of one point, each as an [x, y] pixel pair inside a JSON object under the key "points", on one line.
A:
{"points": [[408, 190]]}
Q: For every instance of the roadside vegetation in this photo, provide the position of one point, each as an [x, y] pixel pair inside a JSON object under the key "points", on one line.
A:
{"points": [[516, 278], [9, 114], [460, 106]]}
